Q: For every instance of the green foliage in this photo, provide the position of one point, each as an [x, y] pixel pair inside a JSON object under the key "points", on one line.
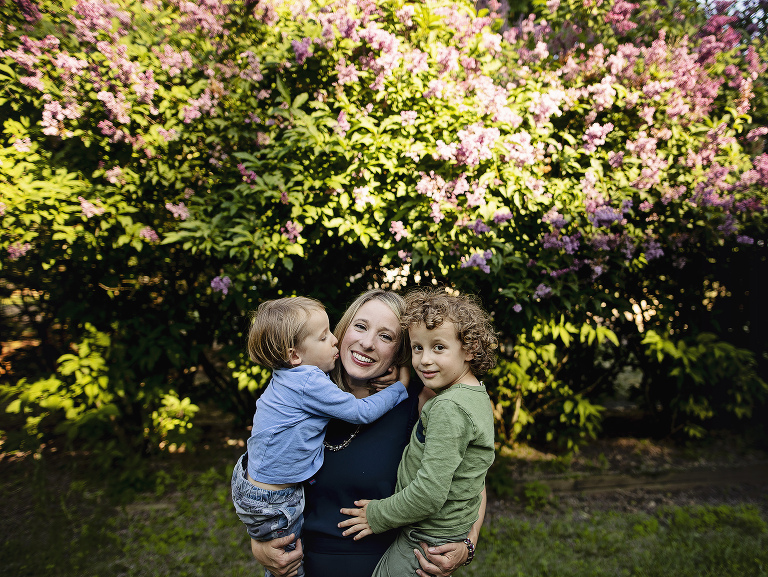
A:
{"points": [[593, 171], [695, 379]]}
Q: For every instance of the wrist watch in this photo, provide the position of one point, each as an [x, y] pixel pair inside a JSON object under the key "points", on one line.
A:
{"points": [[471, 551]]}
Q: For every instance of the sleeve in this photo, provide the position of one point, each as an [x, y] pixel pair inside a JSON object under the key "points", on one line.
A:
{"points": [[447, 437], [320, 396]]}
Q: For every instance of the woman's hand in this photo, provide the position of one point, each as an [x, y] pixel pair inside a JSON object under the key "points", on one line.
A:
{"points": [[393, 374], [359, 521], [441, 561], [275, 559]]}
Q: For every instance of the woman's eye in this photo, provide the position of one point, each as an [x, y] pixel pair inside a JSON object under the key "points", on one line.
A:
{"points": [[387, 337], [360, 327]]}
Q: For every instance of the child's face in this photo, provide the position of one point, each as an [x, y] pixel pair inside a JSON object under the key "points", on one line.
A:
{"points": [[318, 348], [438, 356]]}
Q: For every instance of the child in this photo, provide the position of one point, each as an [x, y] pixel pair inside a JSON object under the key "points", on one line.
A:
{"points": [[442, 472], [293, 338]]}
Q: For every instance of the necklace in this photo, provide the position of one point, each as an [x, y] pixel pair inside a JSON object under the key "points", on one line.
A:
{"points": [[343, 445]]}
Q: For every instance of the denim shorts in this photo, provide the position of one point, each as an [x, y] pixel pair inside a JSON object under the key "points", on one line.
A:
{"points": [[267, 514]]}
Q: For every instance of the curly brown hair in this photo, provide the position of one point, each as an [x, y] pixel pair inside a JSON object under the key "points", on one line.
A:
{"points": [[473, 324]]}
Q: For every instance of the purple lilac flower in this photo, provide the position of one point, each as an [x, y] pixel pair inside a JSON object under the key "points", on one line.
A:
{"points": [[221, 283], [478, 260], [757, 133], [517, 307], [479, 227], [542, 291], [743, 239], [652, 250], [398, 229], [501, 217]]}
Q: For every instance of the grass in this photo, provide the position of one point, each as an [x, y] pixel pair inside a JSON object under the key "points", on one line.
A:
{"points": [[60, 521]]}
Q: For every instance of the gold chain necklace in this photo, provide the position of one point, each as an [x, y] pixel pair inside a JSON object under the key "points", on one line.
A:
{"points": [[343, 445]]}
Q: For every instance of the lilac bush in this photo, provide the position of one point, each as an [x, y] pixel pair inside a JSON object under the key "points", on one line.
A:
{"points": [[178, 162]]}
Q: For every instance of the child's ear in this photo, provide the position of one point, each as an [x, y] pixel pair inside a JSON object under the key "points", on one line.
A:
{"points": [[294, 358], [469, 356]]}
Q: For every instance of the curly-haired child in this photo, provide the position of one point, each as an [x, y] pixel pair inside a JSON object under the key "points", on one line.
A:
{"points": [[442, 472]]}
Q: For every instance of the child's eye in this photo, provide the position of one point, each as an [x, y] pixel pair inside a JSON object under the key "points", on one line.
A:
{"points": [[439, 347], [417, 348]]}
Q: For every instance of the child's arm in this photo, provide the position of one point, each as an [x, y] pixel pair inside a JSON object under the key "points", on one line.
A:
{"points": [[320, 396], [445, 444]]}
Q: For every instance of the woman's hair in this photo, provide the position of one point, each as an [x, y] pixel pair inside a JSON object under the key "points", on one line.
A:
{"points": [[433, 307], [397, 305], [279, 326]]}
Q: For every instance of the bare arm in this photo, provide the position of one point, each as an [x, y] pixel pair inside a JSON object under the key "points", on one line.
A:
{"points": [[277, 560], [442, 561]]}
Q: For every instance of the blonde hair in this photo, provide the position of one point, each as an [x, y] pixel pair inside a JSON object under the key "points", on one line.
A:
{"points": [[397, 305], [279, 326], [473, 325]]}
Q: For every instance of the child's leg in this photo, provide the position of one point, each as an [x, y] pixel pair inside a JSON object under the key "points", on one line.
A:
{"points": [[400, 560], [267, 514]]}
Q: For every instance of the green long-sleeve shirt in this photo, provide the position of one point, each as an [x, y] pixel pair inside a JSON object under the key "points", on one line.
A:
{"points": [[442, 473]]}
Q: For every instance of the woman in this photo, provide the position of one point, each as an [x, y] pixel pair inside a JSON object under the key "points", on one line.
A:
{"points": [[361, 462]]}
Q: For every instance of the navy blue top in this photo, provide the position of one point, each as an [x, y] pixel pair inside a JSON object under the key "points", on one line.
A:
{"points": [[365, 469], [286, 443]]}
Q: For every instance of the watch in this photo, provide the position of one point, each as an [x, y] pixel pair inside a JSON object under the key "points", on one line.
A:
{"points": [[471, 550]]}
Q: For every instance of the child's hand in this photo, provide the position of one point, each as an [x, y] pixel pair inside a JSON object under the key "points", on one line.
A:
{"points": [[382, 382], [359, 522]]}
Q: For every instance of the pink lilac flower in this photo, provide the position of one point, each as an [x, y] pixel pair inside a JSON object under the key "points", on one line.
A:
{"points": [[416, 61], [620, 16], [167, 135], [196, 106], [342, 125], [404, 255], [89, 209], [18, 250], [29, 9], [172, 61], [408, 117], [221, 283], [149, 234], [445, 151], [116, 106], [94, 16], [292, 231], [397, 228], [22, 144], [178, 210], [474, 198], [113, 174], [347, 74], [447, 59], [595, 136], [520, 149], [757, 133], [405, 15], [476, 144], [362, 195]]}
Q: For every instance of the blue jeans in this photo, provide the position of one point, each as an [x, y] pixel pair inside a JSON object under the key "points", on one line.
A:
{"points": [[267, 514]]}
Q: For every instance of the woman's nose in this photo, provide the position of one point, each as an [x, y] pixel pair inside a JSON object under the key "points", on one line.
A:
{"points": [[366, 341]]}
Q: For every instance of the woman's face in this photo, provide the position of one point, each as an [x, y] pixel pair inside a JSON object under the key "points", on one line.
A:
{"points": [[370, 344]]}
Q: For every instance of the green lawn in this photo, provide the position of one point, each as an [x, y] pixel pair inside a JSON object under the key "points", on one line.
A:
{"points": [[57, 522]]}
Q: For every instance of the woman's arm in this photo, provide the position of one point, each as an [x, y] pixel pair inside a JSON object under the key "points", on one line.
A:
{"points": [[443, 560], [277, 560]]}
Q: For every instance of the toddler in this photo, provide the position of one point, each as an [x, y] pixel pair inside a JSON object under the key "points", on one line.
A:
{"points": [[293, 338], [442, 472]]}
